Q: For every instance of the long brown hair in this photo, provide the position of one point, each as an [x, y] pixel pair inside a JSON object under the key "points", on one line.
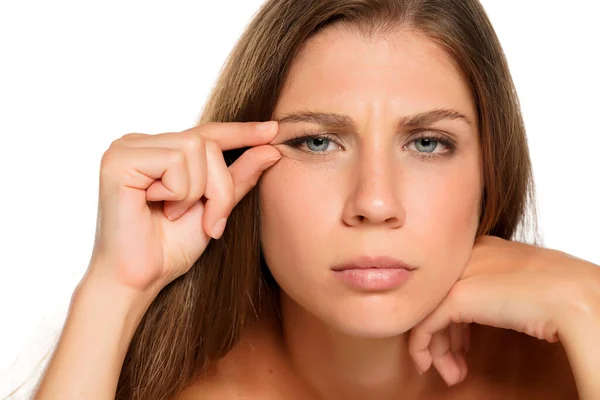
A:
{"points": [[199, 317]]}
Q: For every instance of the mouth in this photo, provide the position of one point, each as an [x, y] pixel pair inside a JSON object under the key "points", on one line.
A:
{"points": [[373, 274], [379, 262]]}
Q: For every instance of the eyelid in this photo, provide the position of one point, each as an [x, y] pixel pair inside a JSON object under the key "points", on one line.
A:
{"points": [[440, 137], [311, 134], [304, 136]]}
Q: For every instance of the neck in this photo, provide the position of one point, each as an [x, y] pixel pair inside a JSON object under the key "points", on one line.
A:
{"points": [[336, 365]]}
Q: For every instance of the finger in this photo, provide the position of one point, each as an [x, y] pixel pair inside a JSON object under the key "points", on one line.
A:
{"points": [[234, 135], [455, 333], [247, 169], [442, 358], [459, 298], [467, 337], [195, 152], [422, 334], [458, 335], [158, 173], [228, 135], [418, 348], [219, 191], [193, 146], [225, 186], [462, 365]]}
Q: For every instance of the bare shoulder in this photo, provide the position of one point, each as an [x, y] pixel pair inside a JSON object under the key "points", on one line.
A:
{"points": [[525, 367]]}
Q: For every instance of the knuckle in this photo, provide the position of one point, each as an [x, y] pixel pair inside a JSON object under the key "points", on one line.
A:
{"points": [[455, 293], [212, 146], [229, 201], [253, 179], [115, 143], [124, 139], [109, 164], [109, 157], [176, 157], [131, 136], [193, 142], [227, 198], [210, 125]]}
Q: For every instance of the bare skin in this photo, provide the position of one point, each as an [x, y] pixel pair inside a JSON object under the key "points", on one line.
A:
{"points": [[374, 192], [381, 198], [503, 365]]}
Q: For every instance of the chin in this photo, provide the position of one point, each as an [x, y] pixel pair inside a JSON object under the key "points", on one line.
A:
{"points": [[371, 315]]}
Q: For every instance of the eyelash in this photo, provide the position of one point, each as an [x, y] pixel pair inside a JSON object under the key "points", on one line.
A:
{"points": [[439, 138]]}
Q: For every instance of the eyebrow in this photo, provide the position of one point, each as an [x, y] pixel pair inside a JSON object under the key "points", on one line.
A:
{"points": [[341, 121]]}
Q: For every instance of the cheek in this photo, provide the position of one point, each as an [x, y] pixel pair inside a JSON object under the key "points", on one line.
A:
{"points": [[294, 222], [442, 216], [443, 203], [299, 207]]}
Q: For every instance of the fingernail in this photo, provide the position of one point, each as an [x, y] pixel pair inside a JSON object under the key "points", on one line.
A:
{"points": [[266, 126], [270, 162], [173, 215], [219, 228], [419, 369]]}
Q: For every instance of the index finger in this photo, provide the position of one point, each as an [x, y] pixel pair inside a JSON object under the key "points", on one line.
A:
{"points": [[234, 135]]}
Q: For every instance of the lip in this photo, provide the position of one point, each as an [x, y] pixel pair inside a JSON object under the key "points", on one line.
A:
{"points": [[378, 262], [373, 274]]}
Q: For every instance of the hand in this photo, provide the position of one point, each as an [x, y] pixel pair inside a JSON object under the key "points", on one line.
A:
{"points": [[505, 284], [144, 245]]}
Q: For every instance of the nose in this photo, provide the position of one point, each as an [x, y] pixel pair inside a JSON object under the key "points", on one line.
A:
{"points": [[375, 192]]}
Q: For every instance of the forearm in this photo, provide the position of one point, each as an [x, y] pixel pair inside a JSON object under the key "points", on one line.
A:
{"points": [[89, 356], [580, 336]]}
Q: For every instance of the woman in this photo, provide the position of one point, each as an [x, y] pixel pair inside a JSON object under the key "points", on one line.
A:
{"points": [[376, 245]]}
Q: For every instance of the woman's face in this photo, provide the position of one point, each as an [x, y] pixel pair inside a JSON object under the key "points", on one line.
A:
{"points": [[375, 185]]}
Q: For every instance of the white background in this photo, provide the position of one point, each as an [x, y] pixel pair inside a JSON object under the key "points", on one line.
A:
{"points": [[74, 76]]}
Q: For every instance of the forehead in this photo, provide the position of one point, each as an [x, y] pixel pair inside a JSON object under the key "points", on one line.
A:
{"points": [[338, 69]]}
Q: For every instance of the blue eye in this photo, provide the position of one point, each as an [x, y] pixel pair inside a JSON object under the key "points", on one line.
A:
{"points": [[425, 145], [314, 143], [320, 144]]}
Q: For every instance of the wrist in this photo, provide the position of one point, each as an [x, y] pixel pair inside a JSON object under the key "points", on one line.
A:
{"points": [[102, 285], [100, 324], [579, 329], [110, 301], [580, 303]]}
